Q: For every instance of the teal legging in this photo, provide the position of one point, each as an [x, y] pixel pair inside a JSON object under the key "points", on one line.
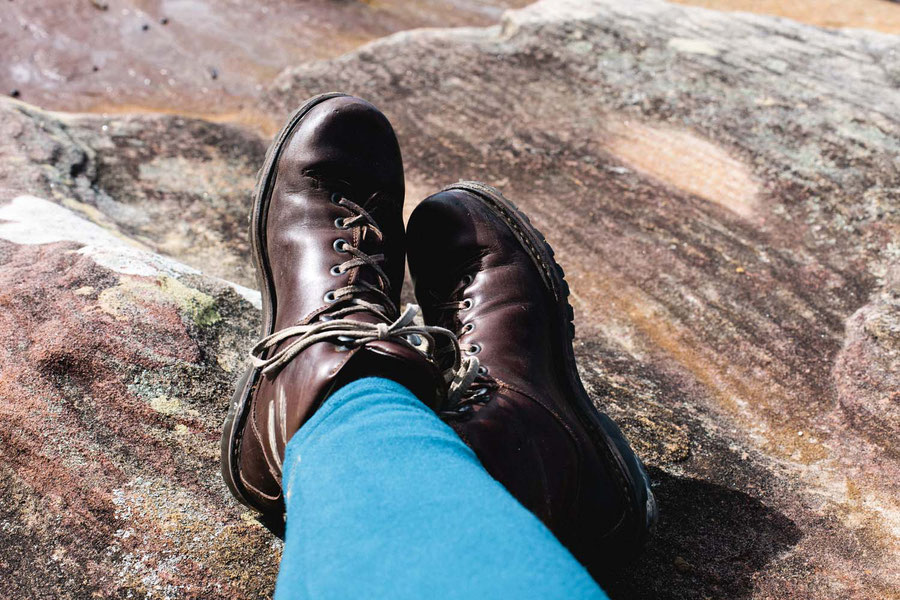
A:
{"points": [[385, 501]]}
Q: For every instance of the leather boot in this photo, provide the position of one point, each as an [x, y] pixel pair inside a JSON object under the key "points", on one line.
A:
{"points": [[329, 247], [482, 270]]}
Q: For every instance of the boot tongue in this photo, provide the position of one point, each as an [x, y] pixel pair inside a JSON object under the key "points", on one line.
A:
{"points": [[365, 316]]}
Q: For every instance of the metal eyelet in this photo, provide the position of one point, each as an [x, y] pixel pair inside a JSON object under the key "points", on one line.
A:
{"points": [[335, 198], [467, 303], [336, 270], [467, 328], [340, 245], [339, 223], [482, 370], [467, 280], [473, 349], [329, 297], [415, 339]]}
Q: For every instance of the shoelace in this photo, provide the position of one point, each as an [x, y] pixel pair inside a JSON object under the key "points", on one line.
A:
{"points": [[472, 382], [350, 333], [360, 259]]}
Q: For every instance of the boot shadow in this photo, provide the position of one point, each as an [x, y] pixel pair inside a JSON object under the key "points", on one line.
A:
{"points": [[709, 542]]}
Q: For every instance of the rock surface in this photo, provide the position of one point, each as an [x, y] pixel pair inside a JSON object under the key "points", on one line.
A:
{"points": [[202, 56], [880, 15], [114, 370], [722, 190]]}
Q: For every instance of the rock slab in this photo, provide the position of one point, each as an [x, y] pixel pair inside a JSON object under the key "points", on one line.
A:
{"points": [[723, 191]]}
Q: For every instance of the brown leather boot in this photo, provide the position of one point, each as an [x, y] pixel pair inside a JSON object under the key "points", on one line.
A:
{"points": [[329, 248], [482, 270]]}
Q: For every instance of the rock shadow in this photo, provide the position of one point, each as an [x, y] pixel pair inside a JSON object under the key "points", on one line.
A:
{"points": [[709, 542]]}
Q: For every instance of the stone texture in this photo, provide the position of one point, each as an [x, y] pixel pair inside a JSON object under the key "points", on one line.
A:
{"points": [[115, 370], [880, 15], [170, 184], [866, 372], [723, 191], [202, 56]]}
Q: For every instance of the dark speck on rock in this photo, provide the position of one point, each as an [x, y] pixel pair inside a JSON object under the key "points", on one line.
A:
{"points": [[100, 4], [95, 68], [213, 73], [681, 565], [164, 21], [145, 27], [15, 93]]}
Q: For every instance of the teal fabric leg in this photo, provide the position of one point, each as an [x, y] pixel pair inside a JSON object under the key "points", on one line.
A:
{"points": [[385, 501]]}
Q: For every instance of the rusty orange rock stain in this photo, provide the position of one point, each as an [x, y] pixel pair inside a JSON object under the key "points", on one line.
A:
{"points": [[868, 14], [752, 402], [685, 161]]}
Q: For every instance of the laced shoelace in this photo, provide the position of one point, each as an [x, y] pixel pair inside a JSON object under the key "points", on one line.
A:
{"points": [[474, 383], [333, 326], [472, 395]]}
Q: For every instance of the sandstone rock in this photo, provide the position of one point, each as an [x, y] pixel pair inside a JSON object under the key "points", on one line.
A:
{"points": [[115, 370], [724, 194], [170, 184], [206, 56], [866, 371], [723, 191]]}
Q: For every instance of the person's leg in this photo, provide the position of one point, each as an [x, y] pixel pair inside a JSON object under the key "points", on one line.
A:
{"points": [[385, 501]]}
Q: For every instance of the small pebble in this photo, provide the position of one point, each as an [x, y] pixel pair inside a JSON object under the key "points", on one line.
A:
{"points": [[213, 73], [95, 68], [164, 21], [15, 93], [99, 4], [681, 565], [145, 27]]}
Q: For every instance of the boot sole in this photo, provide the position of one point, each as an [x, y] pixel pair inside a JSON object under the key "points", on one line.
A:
{"points": [[236, 420], [605, 434]]}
